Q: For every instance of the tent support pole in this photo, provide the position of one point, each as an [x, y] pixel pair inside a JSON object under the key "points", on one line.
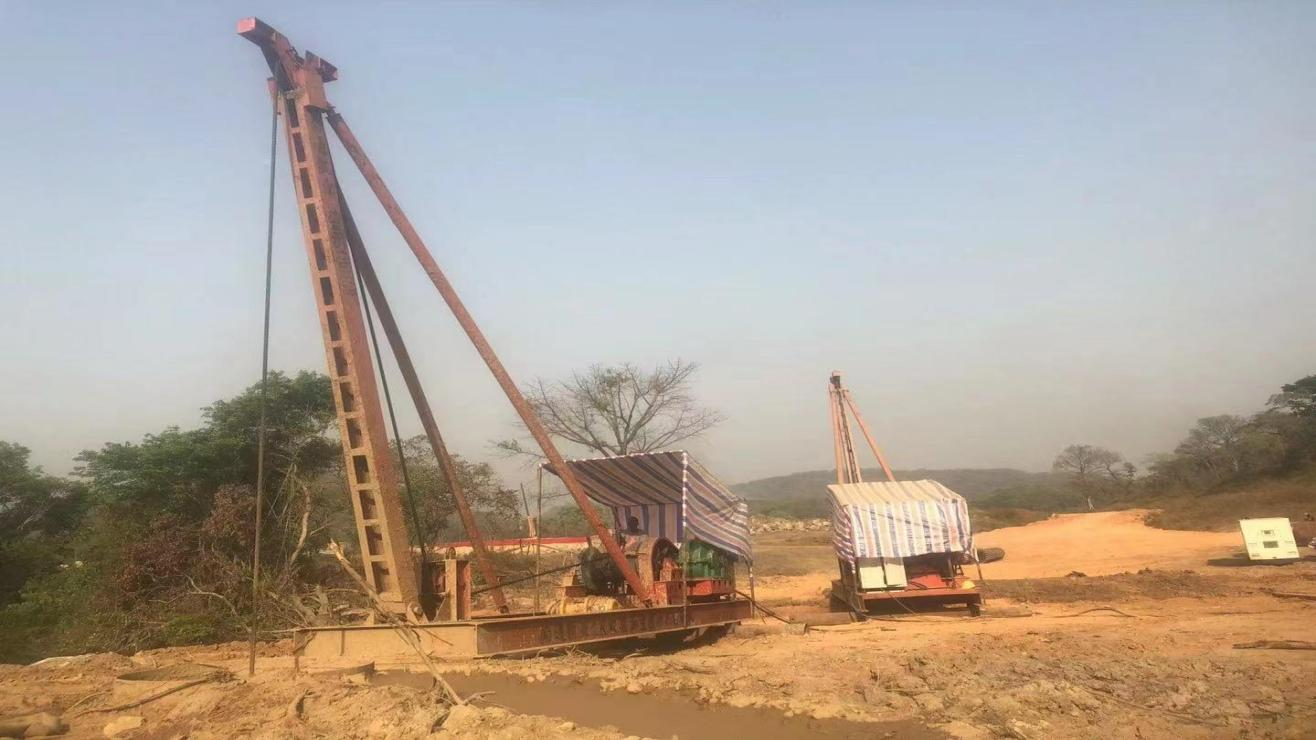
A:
{"points": [[753, 600]]}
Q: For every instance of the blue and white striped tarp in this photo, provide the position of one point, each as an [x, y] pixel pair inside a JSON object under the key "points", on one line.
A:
{"points": [[898, 519], [672, 495]]}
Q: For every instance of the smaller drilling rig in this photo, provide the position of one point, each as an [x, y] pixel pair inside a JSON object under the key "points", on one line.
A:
{"points": [[898, 543]]}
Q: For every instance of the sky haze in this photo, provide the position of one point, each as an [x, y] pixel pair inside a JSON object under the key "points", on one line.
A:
{"points": [[1014, 226]]}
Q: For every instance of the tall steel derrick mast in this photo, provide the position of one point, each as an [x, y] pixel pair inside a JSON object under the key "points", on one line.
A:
{"points": [[842, 407], [371, 477], [336, 256]]}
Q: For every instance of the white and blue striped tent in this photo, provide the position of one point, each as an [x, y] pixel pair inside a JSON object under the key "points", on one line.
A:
{"points": [[672, 495], [898, 519]]}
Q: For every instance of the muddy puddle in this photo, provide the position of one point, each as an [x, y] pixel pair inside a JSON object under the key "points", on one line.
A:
{"points": [[656, 715]]}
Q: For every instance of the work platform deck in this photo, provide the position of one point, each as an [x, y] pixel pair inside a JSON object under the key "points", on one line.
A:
{"points": [[872, 600], [480, 638]]}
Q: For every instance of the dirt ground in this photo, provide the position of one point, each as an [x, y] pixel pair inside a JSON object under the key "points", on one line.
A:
{"points": [[1100, 544], [1141, 646]]}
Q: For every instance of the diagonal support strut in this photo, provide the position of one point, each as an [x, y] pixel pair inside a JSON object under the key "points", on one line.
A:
{"points": [[412, 380], [485, 350], [304, 78]]}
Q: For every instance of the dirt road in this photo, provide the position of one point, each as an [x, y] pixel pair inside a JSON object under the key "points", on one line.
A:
{"points": [[1104, 543], [1100, 544]]}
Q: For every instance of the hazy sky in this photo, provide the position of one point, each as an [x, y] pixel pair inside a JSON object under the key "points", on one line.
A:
{"points": [[1015, 226]]}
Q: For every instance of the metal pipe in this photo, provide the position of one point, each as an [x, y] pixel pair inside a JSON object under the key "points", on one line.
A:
{"points": [[485, 350], [408, 370], [881, 460], [264, 378], [853, 472], [749, 564], [836, 433], [539, 532]]}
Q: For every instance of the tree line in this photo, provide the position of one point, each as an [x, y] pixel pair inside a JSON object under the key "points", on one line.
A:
{"points": [[149, 543], [1218, 452]]}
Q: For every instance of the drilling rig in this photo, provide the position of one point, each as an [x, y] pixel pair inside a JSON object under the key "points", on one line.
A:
{"points": [[433, 596], [898, 543]]}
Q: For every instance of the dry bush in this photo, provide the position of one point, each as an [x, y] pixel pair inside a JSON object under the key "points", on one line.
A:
{"points": [[1220, 512]]}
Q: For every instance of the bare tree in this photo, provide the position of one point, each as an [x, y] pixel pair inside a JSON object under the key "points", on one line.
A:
{"points": [[620, 409], [1085, 465], [1217, 443], [1120, 473]]}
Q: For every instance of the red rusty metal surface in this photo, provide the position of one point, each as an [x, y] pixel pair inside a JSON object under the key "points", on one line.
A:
{"points": [[517, 542], [503, 635], [521, 634], [376, 502], [971, 594], [710, 587]]}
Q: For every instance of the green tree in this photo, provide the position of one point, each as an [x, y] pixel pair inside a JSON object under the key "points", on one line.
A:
{"points": [[497, 508], [37, 514], [177, 472], [1297, 398], [1291, 420], [32, 502], [568, 521], [164, 553]]}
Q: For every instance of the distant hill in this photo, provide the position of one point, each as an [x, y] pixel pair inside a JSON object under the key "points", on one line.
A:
{"points": [[971, 483]]}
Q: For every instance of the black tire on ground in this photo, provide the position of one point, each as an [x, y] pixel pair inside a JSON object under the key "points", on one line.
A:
{"points": [[672, 639], [975, 609], [990, 554], [715, 632]]}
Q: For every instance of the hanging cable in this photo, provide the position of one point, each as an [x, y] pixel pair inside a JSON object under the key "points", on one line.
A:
{"points": [[264, 374], [421, 541]]}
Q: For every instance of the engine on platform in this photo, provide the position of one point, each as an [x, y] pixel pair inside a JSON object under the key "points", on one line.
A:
{"points": [[697, 572]]}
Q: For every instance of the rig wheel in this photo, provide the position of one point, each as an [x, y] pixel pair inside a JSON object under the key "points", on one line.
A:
{"points": [[975, 609], [715, 633], [672, 639]]}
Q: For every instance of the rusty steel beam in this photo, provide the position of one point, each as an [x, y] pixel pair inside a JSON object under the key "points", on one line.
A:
{"points": [[485, 350], [845, 439], [836, 433], [423, 409], [517, 634], [872, 443], [371, 478], [505, 636]]}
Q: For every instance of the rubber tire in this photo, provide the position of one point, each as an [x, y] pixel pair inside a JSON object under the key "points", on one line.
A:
{"points": [[975, 610], [672, 639]]}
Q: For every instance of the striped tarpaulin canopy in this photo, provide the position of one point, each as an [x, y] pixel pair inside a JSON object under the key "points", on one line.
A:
{"points": [[898, 519], [672, 495]]}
